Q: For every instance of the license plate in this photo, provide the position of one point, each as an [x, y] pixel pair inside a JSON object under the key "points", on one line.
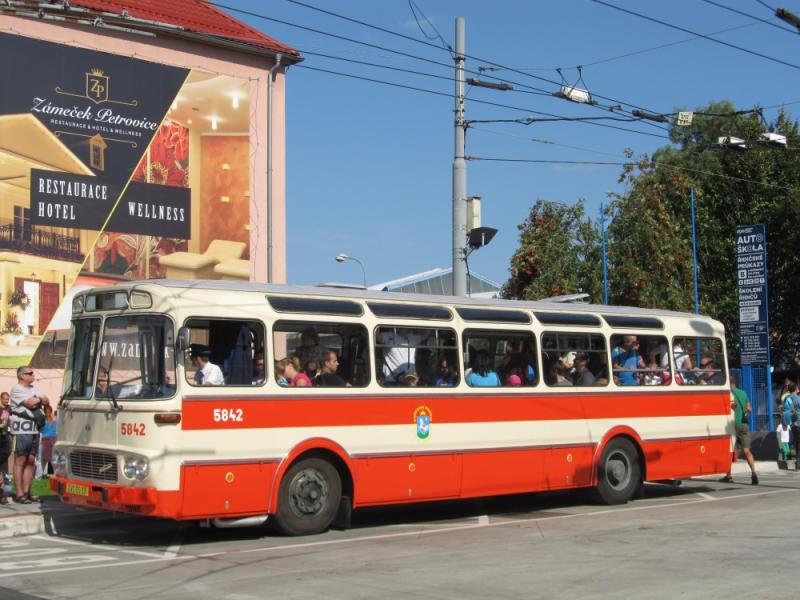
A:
{"points": [[78, 490]]}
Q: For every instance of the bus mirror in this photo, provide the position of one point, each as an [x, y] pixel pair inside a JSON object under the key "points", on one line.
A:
{"points": [[184, 337]]}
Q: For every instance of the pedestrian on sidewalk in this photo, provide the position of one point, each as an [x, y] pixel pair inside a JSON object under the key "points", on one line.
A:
{"points": [[783, 431], [26, 401], [740, 404], [6, 443]]}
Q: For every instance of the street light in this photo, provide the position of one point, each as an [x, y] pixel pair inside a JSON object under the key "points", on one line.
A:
{"points": [[341, 257]]}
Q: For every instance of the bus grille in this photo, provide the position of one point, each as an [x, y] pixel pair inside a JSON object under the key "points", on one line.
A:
{"points": [[88, 464]]}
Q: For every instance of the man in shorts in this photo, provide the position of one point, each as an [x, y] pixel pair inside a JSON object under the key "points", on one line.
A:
{"points": [[740, 404], [25, 399]]}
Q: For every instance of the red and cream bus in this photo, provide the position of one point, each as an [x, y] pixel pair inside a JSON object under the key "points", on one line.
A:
{"points": [[422, 398]]}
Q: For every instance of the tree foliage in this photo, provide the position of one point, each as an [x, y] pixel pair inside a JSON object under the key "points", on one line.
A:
{"points": [[649, 237]]}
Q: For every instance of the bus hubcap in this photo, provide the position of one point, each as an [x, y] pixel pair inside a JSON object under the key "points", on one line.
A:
{"points": [[618, 471], [309, 492]]}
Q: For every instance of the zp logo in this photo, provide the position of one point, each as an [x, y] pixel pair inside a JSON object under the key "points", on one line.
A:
{"points": [[97, 86]]}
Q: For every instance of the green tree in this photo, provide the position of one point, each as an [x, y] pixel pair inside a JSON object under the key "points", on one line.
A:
{"points": [[649, 235], [559, 254]]}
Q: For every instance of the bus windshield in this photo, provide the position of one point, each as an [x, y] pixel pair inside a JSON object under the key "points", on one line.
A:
{"points": [[81, 356], [137, 358]]}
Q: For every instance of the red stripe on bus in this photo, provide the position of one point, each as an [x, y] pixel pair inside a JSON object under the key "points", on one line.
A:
{"points": [[241, 489], [246, 413]]}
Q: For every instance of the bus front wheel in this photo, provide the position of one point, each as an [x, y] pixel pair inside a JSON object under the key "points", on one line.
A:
{"points": [[619, 473], [309, 497]]}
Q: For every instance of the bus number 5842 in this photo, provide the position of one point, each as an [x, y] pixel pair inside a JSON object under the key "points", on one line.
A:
{"points": [[225, 415]]}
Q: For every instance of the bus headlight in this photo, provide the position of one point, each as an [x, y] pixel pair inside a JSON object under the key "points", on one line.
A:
{"points": [[59, 461], [136, 467]]}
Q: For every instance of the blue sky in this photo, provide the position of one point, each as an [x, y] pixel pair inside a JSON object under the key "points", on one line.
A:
{"points": [[370, 166]]}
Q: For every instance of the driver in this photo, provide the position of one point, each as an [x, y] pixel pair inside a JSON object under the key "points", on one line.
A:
{"points": [[207, 372]]}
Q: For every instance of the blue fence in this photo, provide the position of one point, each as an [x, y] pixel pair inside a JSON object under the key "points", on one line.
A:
{"points": [[755, 381]]}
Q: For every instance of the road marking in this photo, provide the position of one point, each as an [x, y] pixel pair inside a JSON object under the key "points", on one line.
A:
{"points": [[499, 523], [706, 496], [173, 549], [397, 535], [483, 520], [94, 546]]}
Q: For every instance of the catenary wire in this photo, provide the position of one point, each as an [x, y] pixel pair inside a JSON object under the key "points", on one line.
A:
{"points": [[641, 51], [485, 102], [749, 16], [670, 25], [414, 9], [628, 164], [413, 39]]}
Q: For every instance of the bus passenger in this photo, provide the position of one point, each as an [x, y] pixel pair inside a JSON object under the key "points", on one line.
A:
{"points": [[709, 374], [626, 360], [401, 354], [259, 371], [409, 379], [311, 369], [207, 372], [300, 378], [583, 376], [329, 377], [310, 349], [558, 374], [446, 375], [482, 374]]}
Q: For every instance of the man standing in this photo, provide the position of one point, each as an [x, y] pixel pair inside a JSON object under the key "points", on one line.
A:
{"points": [[25, 399], [626, 361], [740, 404]]}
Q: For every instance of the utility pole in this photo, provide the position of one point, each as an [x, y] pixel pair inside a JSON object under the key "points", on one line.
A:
{"points": [[459, 171]]}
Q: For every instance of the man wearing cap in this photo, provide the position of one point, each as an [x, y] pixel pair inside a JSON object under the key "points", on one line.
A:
{"points": [[583, 376], [207, 372], [25, 400]]}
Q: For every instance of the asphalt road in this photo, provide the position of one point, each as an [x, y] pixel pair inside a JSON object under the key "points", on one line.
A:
{"points": [[702, 540]]}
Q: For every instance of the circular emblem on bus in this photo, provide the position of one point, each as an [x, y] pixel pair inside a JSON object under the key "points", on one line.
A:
{"points": [[412, 467], [422, 419], [229, 477]]}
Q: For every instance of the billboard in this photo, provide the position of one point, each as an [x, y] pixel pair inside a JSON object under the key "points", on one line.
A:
{"points": [[751, 269], [109, 167]]}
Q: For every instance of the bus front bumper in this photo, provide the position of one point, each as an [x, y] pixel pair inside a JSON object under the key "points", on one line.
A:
{"points": [[118, 498]]}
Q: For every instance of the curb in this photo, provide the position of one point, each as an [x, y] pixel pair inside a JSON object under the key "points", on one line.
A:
{"points": [[16, 525]]}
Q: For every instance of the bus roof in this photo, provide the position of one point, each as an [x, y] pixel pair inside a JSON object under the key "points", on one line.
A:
{"points": [[361, 294]]}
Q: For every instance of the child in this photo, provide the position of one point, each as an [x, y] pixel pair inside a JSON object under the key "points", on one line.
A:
{"points": [[783, 440]]}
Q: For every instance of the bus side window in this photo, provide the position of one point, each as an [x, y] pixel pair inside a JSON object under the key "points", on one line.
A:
{"points": [[233, 348], [321, 354], [574, 359], [699, 360], [640, 359], [511, 357], [416, 357]]}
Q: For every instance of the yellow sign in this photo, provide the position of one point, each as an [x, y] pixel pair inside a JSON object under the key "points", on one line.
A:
{"points": [[78, 490]]}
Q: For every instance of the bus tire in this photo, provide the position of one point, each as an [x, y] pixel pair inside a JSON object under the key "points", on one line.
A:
{"points": [[619, 473], [309, 497]]}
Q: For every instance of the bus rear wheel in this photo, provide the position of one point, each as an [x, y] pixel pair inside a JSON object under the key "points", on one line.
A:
{"points": [[309, 497], [619, 473]]}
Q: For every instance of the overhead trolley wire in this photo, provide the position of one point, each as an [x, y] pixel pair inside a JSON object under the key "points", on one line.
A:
{"points": [[416, 57], [474, 100], [711, 39], [749, 16]]}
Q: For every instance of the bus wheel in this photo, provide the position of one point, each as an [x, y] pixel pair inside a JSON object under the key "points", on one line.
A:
{"points": [[309, 497], [619, 473]]}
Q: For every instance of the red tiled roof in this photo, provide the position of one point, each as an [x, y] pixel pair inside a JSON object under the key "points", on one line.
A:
{"points": [[193, 15]]}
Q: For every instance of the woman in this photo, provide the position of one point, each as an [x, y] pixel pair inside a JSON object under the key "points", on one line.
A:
{"points": [[482, 374], [287, 376]]}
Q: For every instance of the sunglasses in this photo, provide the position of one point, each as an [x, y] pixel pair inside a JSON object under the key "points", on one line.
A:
{"points": [[27, 372], [704, 365]]}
